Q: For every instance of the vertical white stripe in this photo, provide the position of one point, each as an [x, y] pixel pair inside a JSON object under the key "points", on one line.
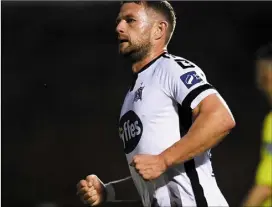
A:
{"points": [[162, 196], [185, 189], [212, 192]]}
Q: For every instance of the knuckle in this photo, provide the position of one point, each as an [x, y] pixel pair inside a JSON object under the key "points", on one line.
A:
{"points": [[85, 189], [90, 177], [87, 196], [91, 189], [94, 192], [90, 194], [81, 183]]}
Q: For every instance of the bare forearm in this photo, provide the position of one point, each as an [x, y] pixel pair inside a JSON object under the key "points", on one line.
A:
{"points": [[257, 195], [206, 131]]}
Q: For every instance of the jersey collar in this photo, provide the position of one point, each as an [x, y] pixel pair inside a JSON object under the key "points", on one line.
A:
{"points": [[150, 63]]}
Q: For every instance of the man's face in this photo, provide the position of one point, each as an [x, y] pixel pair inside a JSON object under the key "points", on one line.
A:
{"points": [[264, 76], [134, 27]]}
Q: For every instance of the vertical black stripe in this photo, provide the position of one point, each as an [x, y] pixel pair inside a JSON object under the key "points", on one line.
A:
{"points": [[197, 188], [185, 122]]}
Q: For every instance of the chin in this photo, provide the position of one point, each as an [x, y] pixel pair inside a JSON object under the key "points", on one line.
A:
{"points": [[124, 52]]}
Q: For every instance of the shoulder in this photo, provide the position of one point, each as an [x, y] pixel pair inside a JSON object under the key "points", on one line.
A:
{"points": [[175, 67]]}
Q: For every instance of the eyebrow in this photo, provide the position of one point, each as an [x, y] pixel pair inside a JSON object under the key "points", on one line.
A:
{"points": [[125, 16]]}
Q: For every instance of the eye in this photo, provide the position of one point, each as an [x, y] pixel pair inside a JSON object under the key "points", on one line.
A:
{"points": [[117, 21], [130, 20]]}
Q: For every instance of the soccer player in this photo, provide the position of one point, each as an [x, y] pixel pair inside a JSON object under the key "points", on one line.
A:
{"points": [[261, 192], [170, 119]]}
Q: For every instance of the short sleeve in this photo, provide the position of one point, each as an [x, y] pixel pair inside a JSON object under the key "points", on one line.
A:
{"points": [[190, 86]]}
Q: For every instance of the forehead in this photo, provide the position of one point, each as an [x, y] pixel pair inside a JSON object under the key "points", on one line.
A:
{"points": [[131, 9]]}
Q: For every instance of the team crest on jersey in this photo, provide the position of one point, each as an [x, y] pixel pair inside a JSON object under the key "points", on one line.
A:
{"points": [[191, 78], [138, 94]]}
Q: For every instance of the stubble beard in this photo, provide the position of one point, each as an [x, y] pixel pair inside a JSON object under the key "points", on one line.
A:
{"points": [[137, 53]]}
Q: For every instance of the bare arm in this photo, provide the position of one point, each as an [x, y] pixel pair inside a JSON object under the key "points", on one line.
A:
{"points": [[257, 195], [212, 121]]}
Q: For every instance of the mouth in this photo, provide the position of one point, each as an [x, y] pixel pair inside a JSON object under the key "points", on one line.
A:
{"points": [[122, 41]]}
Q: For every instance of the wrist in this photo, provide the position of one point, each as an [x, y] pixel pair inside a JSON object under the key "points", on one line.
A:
{"points": [[166, 161], [109, 192]]}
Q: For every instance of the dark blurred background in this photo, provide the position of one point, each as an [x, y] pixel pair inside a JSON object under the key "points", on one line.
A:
{"points": [[63, 84]]}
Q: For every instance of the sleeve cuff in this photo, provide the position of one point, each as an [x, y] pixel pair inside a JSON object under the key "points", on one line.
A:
{"points": [[201, 96], [110, 192], [197, 95]]}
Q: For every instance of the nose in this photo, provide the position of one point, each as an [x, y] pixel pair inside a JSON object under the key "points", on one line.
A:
{"points": [[120, 27]]}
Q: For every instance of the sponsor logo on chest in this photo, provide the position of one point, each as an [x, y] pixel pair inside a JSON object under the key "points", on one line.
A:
{"points": [[130, 130]]}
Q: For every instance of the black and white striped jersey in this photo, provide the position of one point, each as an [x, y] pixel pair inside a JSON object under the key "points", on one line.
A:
{"points": [[156, 113]]}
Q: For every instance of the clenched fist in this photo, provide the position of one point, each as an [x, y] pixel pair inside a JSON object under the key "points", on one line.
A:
{"points": [[91, 190], [149, 166]]}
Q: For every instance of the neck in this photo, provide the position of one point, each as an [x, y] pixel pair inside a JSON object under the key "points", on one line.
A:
{"points": [[137, 66]]}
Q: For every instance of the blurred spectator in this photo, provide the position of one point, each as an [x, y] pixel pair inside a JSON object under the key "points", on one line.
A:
{"points": [[261, 192]]}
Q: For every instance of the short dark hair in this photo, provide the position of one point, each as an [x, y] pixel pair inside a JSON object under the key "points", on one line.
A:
{"points": [[264, 52], [164, 8]]}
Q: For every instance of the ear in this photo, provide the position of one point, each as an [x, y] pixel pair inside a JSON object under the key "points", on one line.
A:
{"points": [[161, 29]]}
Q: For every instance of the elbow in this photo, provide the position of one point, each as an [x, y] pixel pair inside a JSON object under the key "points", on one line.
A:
{"points": [[228, 122], [231, 125], [225, 120], [231, 122]]}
